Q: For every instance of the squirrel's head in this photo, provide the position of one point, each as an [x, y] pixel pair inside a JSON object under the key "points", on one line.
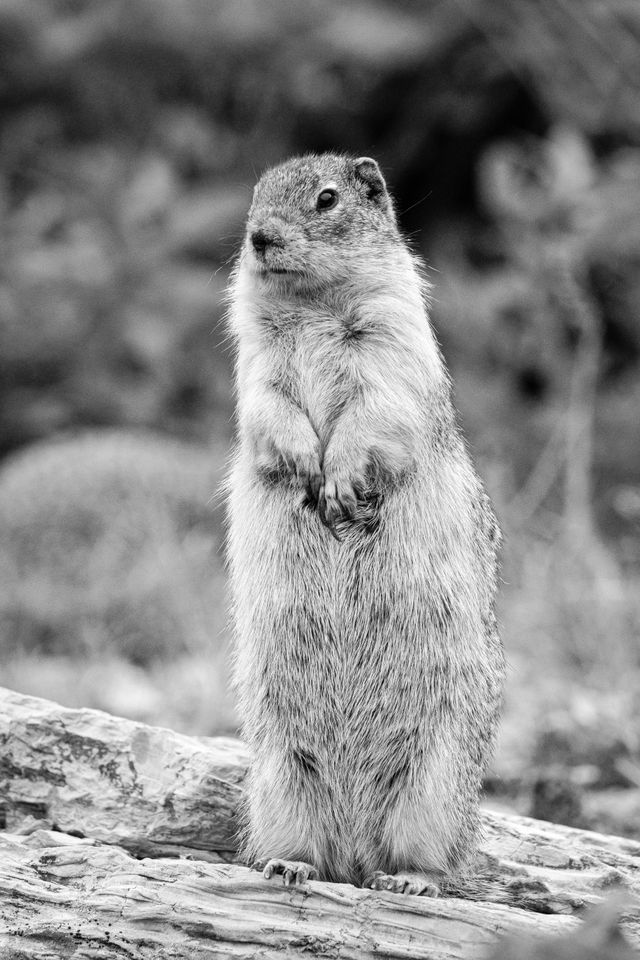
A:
{"points": [[314, 218]]}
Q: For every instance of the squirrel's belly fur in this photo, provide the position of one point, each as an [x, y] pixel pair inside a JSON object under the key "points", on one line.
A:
{"points": [[372, 732]]}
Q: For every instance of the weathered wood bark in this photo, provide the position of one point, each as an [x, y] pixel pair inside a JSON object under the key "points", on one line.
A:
{"points": [[148, 789], [136, 792]]}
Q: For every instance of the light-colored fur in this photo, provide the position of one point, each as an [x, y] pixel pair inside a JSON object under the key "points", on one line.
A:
{"points": [[368, 667]]}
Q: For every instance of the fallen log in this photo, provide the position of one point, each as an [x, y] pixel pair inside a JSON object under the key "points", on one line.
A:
{"points": [[116, 837], [150, 790]]}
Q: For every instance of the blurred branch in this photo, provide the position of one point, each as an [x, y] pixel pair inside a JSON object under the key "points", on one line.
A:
{"points": [[528, 500], [581, 402], [541, 193]]}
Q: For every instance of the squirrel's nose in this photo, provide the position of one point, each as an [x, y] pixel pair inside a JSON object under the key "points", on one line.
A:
{"points": [[260, 241]]}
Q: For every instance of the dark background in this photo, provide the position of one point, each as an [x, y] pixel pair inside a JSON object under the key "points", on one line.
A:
{"points": [[131, 134]]}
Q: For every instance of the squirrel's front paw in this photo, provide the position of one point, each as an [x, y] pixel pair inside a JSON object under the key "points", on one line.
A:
{"points": [[337, 500], [308, 472], [301, 463]]}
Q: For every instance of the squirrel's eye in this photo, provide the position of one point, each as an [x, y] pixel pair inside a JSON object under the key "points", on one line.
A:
{"points": [[327, 198]]}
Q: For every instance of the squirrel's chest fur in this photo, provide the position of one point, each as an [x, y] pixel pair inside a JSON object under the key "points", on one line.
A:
{"points": [[316, 364], [322, 354]]}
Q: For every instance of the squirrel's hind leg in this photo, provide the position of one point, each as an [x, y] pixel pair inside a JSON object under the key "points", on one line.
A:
{"points": [[428, 832], [284, 833]]}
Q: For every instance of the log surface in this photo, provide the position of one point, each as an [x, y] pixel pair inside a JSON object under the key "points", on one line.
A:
{"points": [[138, 795], [65, 891], [151, 790]]}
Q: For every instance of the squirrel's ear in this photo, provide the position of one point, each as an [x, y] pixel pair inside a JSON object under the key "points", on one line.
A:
{"points": [[368, 171]]}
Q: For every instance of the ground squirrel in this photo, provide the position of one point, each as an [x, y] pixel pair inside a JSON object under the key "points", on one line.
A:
{"points": [[362, 547]]}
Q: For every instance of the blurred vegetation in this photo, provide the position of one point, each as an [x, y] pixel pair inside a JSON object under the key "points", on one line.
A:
{"points": [[132, 134]]}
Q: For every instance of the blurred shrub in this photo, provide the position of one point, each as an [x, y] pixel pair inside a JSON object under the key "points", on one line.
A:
{"points": [[103, 322], [599, 937], [110, 542]]}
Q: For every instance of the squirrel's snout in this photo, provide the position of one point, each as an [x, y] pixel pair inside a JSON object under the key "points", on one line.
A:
{"points": [[262, 239]]}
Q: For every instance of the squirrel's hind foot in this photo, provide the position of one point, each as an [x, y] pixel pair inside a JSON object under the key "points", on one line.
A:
{"points": [[294, 872], [417, 884]]}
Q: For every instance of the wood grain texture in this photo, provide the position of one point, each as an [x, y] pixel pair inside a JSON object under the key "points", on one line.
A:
{"points": [[155, 809], [146, 788], [61, 892]]}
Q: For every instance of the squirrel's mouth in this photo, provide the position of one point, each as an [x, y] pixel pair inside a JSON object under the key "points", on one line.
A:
{"points": [[266, 271]]}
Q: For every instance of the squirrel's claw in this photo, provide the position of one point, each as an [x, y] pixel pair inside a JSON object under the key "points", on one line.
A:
{"points": [[294, 872], [314, 483], [336, 502], [414, 884]]}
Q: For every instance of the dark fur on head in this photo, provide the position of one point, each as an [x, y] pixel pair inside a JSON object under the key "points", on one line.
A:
{"points": [[296, 236]]}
